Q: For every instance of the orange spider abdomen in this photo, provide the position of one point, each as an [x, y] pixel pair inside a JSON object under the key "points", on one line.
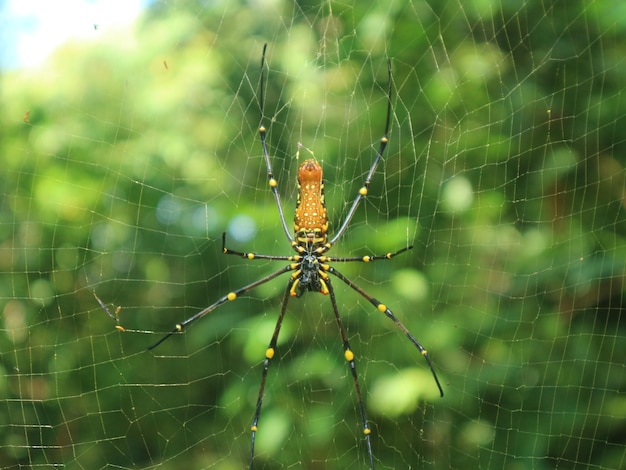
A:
{"points": [[310, 221]]}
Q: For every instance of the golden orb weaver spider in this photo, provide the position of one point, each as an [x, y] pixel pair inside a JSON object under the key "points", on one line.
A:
{"points": [[310, 267]]}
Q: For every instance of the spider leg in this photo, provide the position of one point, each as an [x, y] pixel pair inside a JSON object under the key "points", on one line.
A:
{"points": [[363, 259], [251, 256], [349, 356], [222, 300], [269, 354], [384, 309], [263, 134], [379, 155]]}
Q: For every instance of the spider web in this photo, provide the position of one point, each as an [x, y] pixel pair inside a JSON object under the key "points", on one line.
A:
{"points": [[126, 157]]}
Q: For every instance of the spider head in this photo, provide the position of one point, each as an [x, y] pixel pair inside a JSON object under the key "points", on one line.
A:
{"points": [[309, 278]]}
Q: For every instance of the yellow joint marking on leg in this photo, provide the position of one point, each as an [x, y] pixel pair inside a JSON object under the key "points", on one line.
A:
{"points": [[292, 291], [424, 353], [324, 289], [349, 355], [363, 191], [254, 428], [231, 296], [388, 255], [384, 139], [262, 128], [367, 431], [250, 255], [120, 328], [382, 307], [179, 327], [269, 353], [366, 259], [273, 183]]}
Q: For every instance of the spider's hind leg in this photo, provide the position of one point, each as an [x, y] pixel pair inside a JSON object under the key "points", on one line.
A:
{"points": [[269, 354], [349, 356]]}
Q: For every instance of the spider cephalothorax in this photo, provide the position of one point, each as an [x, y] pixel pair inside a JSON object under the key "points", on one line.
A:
{"points": [[309, 276]]}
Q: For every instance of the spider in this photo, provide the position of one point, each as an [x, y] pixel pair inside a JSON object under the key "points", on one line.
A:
{"points": [[310, 267]]}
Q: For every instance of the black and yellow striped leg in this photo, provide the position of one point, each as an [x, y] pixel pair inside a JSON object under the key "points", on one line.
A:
{"points": [[384, 309], [364, 259], [251, 256], [368, 179], [349, 356], [269, 354], [222, 300], [273, 184]]}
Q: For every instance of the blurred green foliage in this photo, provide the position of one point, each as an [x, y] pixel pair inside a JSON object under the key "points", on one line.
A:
{"points": [[126, 157]]}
